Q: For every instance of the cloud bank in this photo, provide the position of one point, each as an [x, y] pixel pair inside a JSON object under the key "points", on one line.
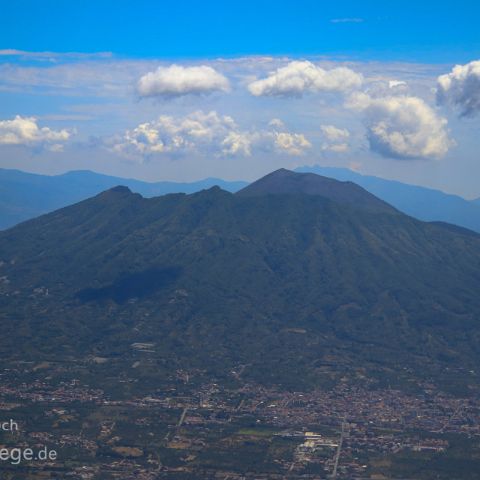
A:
{"points": [[461, 88], [204, 133], [176, 80], [301, 77], [402, 127], [393, 112]]}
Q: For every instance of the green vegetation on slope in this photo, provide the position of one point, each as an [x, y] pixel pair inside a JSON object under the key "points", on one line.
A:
{"points": [[297, 288]]}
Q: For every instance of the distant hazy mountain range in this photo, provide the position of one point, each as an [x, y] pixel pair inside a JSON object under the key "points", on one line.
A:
{"points": [[419, 202], [25, 195]]}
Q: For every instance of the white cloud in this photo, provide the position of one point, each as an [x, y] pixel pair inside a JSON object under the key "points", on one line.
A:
{"points": [[461, 88], [347, 20], [83, 78], [171, 134], [396, 83], [237, 143], [25, 131], [300, 77], [56, 147], [276, 123], [175, 80], [284, 141], [204, 133], [333, 133], [291, 143], [402, 127], [336, 147], [335, 138], [52, 56]]}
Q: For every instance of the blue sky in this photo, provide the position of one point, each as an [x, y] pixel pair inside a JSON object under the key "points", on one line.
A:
{"points": [[186, 90], [409, 30], [438, 31]]}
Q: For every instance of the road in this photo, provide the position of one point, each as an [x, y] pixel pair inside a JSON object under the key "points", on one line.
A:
{"points": [[179, 424], [182, 417], [339, 451]]}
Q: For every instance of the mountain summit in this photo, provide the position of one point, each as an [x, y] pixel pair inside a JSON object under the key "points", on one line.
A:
{"points": [[286, 182], [300, 279]]}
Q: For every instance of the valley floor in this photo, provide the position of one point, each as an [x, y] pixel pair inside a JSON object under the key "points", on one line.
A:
{"points": [[189, 428]]}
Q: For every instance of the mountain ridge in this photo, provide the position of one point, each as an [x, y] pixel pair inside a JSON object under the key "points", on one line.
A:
{"points": [[215, 280], [24, 195], [27, 195]]}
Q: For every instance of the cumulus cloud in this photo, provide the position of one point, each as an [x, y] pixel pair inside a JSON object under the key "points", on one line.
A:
{"points": [[333, 133], [25, 131], [237, 143], [291, 143], [402, 127], [300, 77], [396, 83], [335, 138], [171, 134], [276, 123], [461, 88], [204, 133], [176, 80]]}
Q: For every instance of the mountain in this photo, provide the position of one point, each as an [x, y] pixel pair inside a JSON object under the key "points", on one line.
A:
{"points": [[285, 182], [27, 195], [287, 282], [419, 202]]}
